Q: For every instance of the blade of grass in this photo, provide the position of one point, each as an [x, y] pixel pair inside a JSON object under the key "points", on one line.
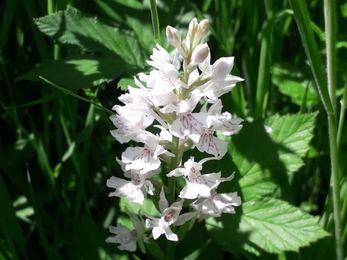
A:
{"points": [[7, 21], [205, 5], [42, 46], [9, 11], [239, 105], [263, 80], [344, 212], [339, 143], [85, 135], [42, 157], [155, 22], [302, 18], [303, 106], [44, 99], [39, 226], [263, 73], [251, 54], [342, 116], [77, 96], [8, 220]]}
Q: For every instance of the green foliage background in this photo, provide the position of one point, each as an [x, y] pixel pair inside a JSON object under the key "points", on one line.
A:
{"points": [[56, 152]]}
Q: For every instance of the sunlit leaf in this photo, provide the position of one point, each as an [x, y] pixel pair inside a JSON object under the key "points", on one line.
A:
{"points": [[83, 71], [293, 84], [108, 52], [265, 152], [91, 33], [270, 225]]}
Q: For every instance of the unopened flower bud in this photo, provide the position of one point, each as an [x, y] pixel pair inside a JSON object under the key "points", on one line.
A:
{"points": [[173, 36], [200, 53], [192, 29], [203, 28]]}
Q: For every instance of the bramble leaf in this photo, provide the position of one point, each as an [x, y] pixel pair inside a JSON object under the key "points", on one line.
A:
{"points": [[108, 53], [83, 71], [266, 152], [269, 224], [291, 82]]}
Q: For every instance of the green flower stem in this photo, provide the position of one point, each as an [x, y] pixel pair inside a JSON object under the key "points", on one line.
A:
{"points": [[342, 115], [170, 246], [326, 91], [343, 188], [344, 213], [50, 11], [155, 21], [335, 185], [50, 7], [330, 35], [173, 165], [330, 31]]}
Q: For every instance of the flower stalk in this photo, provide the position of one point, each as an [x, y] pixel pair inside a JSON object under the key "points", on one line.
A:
{"points": [[330, 32]]}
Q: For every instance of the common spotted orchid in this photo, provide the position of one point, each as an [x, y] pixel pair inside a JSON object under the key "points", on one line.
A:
{"points": [[179, 100]]}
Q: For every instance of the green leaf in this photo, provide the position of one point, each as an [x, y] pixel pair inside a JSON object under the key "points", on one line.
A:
{"points": [[125, 82], [155, 250], [82, 71], [135, 208], [88, 242], [293, 84], [270, 225], [266, 152], [138, 18], [195, 243], [343, 9], [294, 132], [113, 52], [23, 209], [91, 33]]}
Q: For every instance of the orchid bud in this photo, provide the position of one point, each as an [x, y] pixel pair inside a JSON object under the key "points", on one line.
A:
{"points": [[192, 29], [174, 39], [200, 53], [173, 36], [201, 31], [203, 28]]}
